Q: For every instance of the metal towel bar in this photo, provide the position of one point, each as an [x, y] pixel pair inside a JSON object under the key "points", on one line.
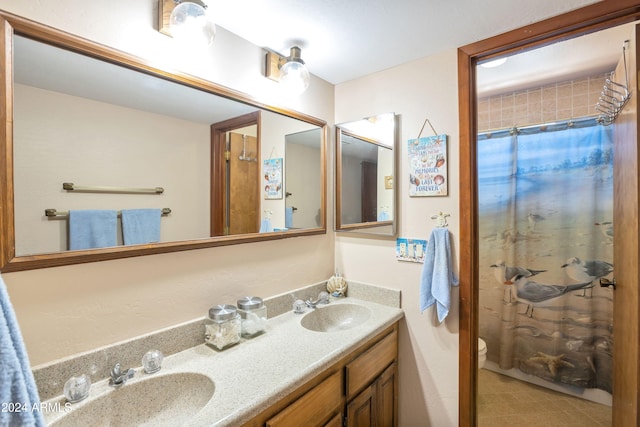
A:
{"points": [[70, 186], [55, 214]]}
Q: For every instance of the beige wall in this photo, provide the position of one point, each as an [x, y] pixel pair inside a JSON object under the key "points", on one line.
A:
{"points": [[428, 363], [66, 310], [62, 138]]}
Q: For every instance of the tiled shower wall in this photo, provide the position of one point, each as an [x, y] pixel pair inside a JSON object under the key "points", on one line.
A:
{"points": [[559, 101]]}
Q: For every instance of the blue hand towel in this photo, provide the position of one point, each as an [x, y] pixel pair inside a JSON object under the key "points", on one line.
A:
{"points": [[140, 226], [288, 217], [437, 275], [17, 384], [265, 226], [89, 229]]}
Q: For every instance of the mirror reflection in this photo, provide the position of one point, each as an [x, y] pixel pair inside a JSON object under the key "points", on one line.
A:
{"points": [[365, 174], [93, 123]]}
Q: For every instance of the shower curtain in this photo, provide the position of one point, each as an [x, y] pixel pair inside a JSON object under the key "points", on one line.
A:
{"points": [[546, 239]]}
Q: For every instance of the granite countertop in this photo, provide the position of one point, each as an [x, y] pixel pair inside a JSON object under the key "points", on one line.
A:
{"points": [[255, 373]]}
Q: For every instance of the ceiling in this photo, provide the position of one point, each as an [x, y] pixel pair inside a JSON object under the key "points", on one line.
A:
{"points": [[342, 40], [587, 55]]}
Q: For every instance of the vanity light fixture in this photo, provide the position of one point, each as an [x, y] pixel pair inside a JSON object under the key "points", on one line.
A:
{"points": [[289, 71], [187, 21]]}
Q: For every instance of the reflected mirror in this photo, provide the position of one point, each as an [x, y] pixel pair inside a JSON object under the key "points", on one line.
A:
{"points": [[365, 175], [104, 132]]}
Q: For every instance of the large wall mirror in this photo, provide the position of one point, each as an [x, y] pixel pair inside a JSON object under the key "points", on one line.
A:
{"points": [[88, 128], [365, 175]]}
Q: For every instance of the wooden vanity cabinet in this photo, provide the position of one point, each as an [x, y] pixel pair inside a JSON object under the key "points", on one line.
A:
{"points": [[371, 385], [360, 389], [376, 405]]}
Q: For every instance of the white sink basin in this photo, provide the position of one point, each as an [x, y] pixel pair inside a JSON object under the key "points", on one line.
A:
{"points": [[338, 317], [163, 400]]}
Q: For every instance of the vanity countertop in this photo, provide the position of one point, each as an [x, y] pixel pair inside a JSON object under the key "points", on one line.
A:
{"points": [[257, 372], [252, 375]]}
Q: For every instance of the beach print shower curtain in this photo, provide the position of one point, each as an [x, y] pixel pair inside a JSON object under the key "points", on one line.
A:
{"points": [[546, 239]]}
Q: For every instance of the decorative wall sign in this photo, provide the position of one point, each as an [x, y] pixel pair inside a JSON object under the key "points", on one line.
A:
{"points": [[428, 166], [272, 171], [412, 250]]}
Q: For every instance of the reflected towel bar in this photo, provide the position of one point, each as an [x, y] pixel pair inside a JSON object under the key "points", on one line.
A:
{"points": [[54, 214], [70, 186]]}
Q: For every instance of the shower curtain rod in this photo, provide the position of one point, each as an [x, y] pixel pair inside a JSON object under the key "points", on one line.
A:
{"points": [[552, 126]]}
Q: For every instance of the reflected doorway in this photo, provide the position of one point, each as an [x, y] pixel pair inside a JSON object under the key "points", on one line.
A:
{"points": [[235, 175]]}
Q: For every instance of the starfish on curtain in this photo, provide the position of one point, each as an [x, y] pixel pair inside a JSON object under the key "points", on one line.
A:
{"points": [[553, 363]]}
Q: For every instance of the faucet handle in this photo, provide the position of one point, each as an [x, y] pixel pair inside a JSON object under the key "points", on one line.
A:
{"points": [[152, 361], [77, 388], [323, 297]]}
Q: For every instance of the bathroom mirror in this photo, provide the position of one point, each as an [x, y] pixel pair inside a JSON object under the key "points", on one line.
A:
{"points": [[366, 159], [88, 127]]}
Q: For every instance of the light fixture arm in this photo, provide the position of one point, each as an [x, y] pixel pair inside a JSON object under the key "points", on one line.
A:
{"points": [[294, 56], [275, 61]]}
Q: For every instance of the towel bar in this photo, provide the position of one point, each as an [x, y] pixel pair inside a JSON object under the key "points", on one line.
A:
{"points": [[70, 186], [54, 214]]}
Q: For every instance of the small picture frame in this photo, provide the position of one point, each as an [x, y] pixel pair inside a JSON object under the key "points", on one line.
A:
{"points": [[412, 250], [272, 172], [388, 182]]}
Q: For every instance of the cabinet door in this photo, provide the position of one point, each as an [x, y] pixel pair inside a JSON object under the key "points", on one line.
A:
{"points": [[387, 397], [335, 421], [370, 364], [361, 410], [315, 407]]}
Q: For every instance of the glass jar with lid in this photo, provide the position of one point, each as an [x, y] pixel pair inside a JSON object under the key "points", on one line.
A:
{"points": [[253, 314], [222, 327]]}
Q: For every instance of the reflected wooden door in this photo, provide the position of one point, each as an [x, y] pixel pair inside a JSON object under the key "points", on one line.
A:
{"points": [[369, 189], [243, 178], [626, 252]]}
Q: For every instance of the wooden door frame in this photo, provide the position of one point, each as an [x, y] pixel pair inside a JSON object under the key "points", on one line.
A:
{"points": [[218, 148], [598, 16]]}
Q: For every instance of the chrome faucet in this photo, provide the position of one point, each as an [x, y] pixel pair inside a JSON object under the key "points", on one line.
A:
{"points": [[118, 377], [323, 298], [312, 304]]}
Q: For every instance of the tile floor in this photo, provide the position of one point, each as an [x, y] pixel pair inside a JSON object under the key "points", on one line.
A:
{"points": [[504, 401]]}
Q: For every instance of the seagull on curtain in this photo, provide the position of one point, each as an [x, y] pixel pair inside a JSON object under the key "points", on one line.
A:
{"points": [[505, 274], [583, 271], [538, 294]]}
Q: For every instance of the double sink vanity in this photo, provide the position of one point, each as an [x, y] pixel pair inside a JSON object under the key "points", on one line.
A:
{"points": [[337, 360]]}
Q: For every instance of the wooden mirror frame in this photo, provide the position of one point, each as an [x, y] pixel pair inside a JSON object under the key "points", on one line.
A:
{"points": [[585, 20], [10, 25], [368, 229]]}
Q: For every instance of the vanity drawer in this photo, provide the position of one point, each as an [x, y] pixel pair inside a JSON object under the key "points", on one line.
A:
{"points": [[366, 367], [314, 407]]}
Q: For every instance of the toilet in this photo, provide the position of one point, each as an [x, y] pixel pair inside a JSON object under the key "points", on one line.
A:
{"points": [[482, 352]]}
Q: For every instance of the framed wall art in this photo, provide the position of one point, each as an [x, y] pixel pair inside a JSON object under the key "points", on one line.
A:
{"points": [[428, 166]]}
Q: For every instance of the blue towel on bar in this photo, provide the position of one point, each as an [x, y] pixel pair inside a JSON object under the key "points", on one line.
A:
{"points": [[89, 229], [16, 379], [288, 217], [437, 275], [140, 226]]}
